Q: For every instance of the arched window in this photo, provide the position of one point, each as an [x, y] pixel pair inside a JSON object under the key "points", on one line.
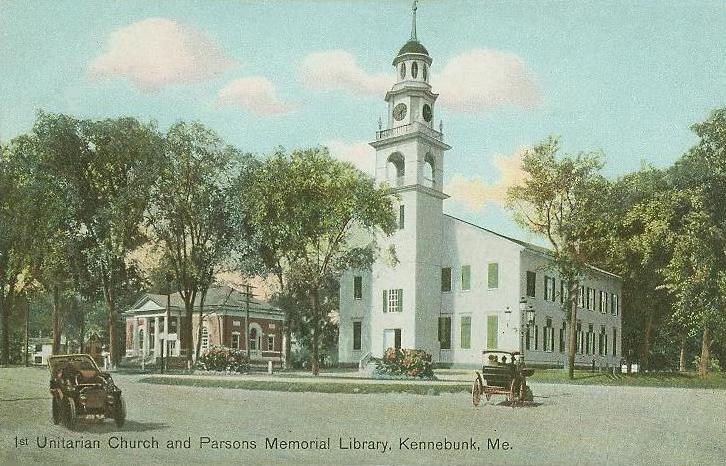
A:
{"points": [[395, 169], [403, 70], [429, 170], [414, 70]]}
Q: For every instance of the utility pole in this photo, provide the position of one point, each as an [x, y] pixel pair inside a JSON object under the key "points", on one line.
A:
{"points": [[248, 295], [27, 318]]}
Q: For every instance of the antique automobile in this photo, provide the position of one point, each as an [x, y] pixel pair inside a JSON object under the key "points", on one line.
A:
{"points": [[80, 389], [503, 373]]}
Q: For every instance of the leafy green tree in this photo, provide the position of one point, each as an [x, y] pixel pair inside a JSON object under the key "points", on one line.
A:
{"points": [[107, 169], [192, 215], [18, 236], [562, 198], [303, 208]]}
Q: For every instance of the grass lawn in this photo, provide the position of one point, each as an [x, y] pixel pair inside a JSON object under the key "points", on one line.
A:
{"points": [[321, 386], [652, 379]]}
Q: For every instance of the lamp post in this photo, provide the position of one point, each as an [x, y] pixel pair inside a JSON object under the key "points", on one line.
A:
{"points": [[526, 316]]}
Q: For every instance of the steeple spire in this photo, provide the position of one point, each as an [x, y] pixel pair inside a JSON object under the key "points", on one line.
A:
{"points": [[413, 21]]}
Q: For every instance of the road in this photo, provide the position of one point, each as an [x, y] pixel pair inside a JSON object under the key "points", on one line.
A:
{"points": [[568, 424]]}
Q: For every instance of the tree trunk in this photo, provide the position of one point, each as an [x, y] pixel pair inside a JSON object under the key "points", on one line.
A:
{"points": [[316, 334], [645, 350], [82, 332], [5, 333], [682, 357], [199, 327], [572, 343], [188, 340], [56, 321], [705, 352]]}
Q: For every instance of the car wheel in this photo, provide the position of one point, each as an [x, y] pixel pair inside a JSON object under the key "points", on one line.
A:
{"points": [[120, 414], [56, 411], [71, 415]]}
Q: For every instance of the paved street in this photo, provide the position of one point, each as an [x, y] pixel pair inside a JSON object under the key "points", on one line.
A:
{"points": [[568, 425]]}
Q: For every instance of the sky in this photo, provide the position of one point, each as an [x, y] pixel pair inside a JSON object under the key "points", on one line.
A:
{"points": [[627, 78]]}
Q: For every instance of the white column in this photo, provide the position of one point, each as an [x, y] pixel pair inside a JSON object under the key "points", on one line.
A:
{"points": [[157, 351], [136, 335], [145, 342]]}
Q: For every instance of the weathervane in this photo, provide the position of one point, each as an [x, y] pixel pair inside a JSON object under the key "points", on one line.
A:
{"points": [[413, 22]]}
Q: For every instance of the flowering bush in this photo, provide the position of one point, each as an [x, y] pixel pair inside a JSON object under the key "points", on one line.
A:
{"points": [[406, 362], [221, 358]]}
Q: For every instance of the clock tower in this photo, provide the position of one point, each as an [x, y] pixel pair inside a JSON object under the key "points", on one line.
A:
{"points": [[409, 159]]}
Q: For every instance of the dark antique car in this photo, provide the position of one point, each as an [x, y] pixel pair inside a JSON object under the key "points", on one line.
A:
{"points": [[503, 373], [79, 388]]}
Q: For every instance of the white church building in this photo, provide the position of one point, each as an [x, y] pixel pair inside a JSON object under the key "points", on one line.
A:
{"points": [[456, 288]]}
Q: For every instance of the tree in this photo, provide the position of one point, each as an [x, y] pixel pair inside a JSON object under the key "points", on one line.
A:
{"points": [[562, 198], [18, 236], [303, 208], [107, 169], [192, 215]]}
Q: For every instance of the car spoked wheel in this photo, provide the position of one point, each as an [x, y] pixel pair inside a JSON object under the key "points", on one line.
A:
{"points": [[71, 415], [120, 414], [56, 411]]}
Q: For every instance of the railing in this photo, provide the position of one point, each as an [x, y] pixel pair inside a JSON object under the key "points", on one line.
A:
{"points": [[408, 129], [363, 362]]}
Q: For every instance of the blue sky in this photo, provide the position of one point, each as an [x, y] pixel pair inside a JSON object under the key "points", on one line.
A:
{"points": [[624, 77]]}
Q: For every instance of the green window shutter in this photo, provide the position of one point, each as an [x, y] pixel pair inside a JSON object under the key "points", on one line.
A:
{"points": [[400, 300], [385, 301], [492, 332], [465, 277], [466, 332], [493, 275]]}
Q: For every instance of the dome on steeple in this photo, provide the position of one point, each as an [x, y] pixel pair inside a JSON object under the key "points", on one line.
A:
{"points": [[413, 46]]}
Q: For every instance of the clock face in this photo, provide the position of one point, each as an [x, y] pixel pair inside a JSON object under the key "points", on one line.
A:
{"points": [[399, 112], [427, 113]]}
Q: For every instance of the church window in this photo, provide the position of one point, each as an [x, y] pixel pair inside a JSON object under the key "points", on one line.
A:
{"points": [[446, 279], [401, 216], [465, 332], [465, 277], [393, 300], [357, 287], [403, 70], [357, 327], [445, 332], [395, 169], [531, 284], [414, 70], [425, 72], [429, 169], [493, 275], [549, 285]]}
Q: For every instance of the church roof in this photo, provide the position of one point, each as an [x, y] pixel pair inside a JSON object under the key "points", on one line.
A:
{"points": [[529, 246]]}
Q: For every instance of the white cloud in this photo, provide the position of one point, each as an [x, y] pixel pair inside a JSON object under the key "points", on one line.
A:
{"points": [[255, 94], [475, 193], [338, 69], [483, 79], [474, 81], [158, 52], [359, 153]]}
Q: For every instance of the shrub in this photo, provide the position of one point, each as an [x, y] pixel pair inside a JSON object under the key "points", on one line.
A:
{"points": [[406, 362], [713, 364], [221, 358]]}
